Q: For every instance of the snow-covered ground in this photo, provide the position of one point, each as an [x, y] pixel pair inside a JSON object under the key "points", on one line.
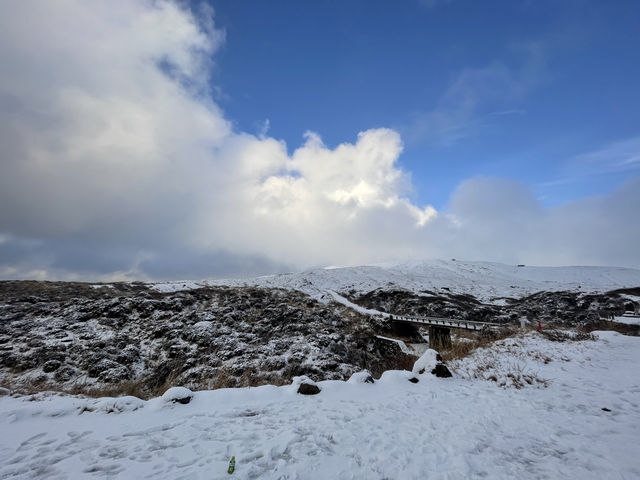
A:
{"points": [[484, 280], [629, 320], [459, 428]]}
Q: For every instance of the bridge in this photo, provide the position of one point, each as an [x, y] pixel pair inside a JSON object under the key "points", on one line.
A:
{"points": [[440, 328]]}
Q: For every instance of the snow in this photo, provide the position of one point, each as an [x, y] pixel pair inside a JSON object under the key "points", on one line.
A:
{"points": [[628, 319], [175, 394], [487, 281], [401, 344], [464, 427], [426, 363], [367, 311], [297, 381], [360, 377], [167, 287]]}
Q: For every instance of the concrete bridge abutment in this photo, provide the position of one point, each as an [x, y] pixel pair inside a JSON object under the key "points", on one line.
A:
{"points": [[439, 338]]}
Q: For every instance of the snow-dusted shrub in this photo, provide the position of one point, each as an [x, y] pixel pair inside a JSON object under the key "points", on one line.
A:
{"points": [[113, 405]]}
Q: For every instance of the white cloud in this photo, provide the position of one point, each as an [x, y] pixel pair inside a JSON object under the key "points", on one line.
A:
{"points": [[619, 156], [478, 92], [501, 220], [109, 140], [312, 207], [117, 164]]}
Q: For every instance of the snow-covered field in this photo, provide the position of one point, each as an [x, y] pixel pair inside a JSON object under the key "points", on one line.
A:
{"points": [[459, 428], [629, 320], [484, 280]]}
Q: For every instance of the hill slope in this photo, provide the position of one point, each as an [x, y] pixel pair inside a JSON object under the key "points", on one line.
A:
{"points": [[483, 280]]}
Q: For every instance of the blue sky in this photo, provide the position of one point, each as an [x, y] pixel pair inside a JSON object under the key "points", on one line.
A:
{"points": [[547, 81], [172, 139]]}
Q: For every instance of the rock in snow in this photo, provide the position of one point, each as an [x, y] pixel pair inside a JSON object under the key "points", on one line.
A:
{"points": [[426, 362], [361, 377], [431, 361], [441, 370], [178, 395], [305, 386]]}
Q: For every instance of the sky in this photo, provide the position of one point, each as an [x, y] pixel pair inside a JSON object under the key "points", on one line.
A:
{"points": [[164, 139]]}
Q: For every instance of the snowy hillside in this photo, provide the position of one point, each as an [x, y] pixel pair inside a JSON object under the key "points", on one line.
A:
{"points": [[484, 280], [529, 406], [75, 338], [583, 425]]}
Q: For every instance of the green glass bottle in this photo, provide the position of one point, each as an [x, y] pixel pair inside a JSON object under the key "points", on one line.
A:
{"points": [[232, 465]]}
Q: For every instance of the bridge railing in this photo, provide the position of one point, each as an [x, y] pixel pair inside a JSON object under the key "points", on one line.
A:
{"points": [[444, 322]]}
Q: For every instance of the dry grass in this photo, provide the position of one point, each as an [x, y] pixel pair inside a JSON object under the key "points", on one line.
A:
{"points": [[224, 379], [140, 388], [564, 336], [403, 362], [136, 387], [624, 328], [521, 378], [472, 341], [133, 388]]}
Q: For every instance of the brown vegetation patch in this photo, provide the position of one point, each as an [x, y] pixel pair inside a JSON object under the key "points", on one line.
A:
{"points": [[624, 328], [467, 342]]}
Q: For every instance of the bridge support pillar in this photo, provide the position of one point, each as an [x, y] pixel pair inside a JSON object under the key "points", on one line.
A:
{"points": [[439, 338]]}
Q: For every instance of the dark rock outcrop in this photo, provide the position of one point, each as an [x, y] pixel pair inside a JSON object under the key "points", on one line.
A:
{"points": [[441, 371], [308, 389]]}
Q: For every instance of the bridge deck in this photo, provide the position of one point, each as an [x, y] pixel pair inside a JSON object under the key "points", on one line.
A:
{"points": [[443, 322]]}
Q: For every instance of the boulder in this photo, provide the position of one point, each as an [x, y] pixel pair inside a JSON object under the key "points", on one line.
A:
{"points": [[427, 362], [361, 377], [305, 386], [441, 371], [180, 395], [308, 389], [431, 361]]}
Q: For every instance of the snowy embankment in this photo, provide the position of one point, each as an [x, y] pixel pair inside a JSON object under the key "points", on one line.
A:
{"points": [[484, 280], [457, 428]]}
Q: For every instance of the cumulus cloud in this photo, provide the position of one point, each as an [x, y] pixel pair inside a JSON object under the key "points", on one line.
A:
{"points": [[110, 142], [117, 163]]}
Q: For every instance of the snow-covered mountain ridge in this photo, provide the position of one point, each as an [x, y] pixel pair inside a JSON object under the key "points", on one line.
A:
{"points": [[483, 280]]}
